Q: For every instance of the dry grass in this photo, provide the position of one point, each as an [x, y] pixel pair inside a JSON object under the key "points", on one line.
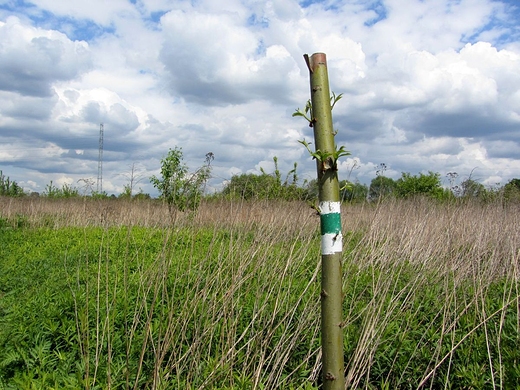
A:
{"points": [[153, 213], [420, 242], [449, 245]]}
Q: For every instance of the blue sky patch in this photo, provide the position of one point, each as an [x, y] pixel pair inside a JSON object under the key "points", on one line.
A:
{"points": [[260, 49], [78, 30], [260, 21], [327, 5], [75, 29], [156, 16], [18, 7], [153, 20], [381, 13], [509, 26], [308, 3]]}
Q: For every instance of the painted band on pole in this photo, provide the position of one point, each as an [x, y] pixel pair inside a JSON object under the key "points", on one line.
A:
{"points": [[331, 237]]}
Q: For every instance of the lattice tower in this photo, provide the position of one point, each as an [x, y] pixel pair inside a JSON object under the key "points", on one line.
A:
{"points": [[100, 161]]}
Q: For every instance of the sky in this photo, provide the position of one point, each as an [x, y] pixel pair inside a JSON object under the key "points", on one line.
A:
{"points": [[428, 85]]}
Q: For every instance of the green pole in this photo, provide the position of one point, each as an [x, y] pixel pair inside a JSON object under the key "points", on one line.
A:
{"points": [[330, 218]]}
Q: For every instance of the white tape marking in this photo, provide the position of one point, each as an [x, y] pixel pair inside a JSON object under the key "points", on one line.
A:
{"points": [[331, 243], [329, 207]]}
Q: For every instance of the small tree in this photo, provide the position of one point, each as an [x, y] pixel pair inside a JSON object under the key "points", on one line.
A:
{"points": [[430, 185], [381, 187], [472, 189], [66, 191], [179, 189], [133, 177], [9, 187], [249, 186], [512, 190], [52, 191], [353, 192]]}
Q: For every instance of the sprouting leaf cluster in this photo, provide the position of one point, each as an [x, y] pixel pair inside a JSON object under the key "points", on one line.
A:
{"points": [[307, 112], [328, 161]]}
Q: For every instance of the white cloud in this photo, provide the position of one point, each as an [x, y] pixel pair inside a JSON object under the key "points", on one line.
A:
{"points": [[428, 85], [99, 11], [31, 59], [215, 59]]}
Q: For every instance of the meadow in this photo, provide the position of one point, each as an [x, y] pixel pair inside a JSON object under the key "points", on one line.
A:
{"points": [[109, 294]]}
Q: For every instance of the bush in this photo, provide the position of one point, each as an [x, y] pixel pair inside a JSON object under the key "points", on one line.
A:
{"points": [[9, 187], [180, 189], [265, 186], [422, 184]]}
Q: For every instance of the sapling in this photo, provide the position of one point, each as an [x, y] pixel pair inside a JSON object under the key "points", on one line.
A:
{"points": [[318, 113]]}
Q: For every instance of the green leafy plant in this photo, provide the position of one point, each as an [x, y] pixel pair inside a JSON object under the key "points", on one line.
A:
{"points": [[422, 184], [180, 189], [327, 160], [307, 112], [265, 186], [9, 187], [381, 186]]}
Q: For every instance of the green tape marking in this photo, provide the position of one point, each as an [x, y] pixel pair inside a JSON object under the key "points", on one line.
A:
{"points": [[330, 223]]}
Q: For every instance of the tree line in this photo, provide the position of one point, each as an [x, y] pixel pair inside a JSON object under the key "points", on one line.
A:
{"points": [[183, 189]]}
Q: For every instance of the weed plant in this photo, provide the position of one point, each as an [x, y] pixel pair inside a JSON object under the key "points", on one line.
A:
{"points": [[107, 294]]}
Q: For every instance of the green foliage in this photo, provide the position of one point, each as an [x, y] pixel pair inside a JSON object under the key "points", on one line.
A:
{"points": [[51, 191], [81, 309], [265, 186], [141, 195], [180, 189], [128, 195], [472, 189], [99, 195], [250, 186], [127, 192], [381, 187], [430, 185], [310, 189], [512, 190], [307, 112], [327, 160], [69, 191], [9, 187], [19, 221], [353, 192], [66, 191], [411, 341]]}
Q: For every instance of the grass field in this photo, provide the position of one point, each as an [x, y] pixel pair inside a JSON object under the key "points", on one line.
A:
{"points": [[113, 295]]}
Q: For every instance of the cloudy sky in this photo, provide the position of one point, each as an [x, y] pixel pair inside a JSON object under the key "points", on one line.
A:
{"points": [[429, 85]]}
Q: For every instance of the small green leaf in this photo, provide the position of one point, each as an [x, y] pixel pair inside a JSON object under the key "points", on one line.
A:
{"points": [[334, 99]]}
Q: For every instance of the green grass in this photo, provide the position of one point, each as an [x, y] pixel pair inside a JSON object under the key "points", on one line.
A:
{"points": [[86, 307], [235, 304]]}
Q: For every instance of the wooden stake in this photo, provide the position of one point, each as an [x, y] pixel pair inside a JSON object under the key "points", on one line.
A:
{"points": [[330, 218]]}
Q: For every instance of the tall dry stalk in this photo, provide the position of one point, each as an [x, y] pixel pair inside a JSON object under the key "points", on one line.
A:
{"points": [[230, 297]]}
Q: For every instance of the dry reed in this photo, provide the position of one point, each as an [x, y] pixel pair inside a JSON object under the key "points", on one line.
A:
{"points": [[463, 243]]}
